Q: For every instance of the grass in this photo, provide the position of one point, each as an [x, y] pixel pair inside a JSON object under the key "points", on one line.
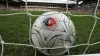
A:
{"points": [[14, 29]]}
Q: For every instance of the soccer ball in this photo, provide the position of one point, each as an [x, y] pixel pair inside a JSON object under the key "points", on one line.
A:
{"points": [[53, 30]]}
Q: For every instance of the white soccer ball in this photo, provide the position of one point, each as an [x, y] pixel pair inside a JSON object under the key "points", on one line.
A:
{"points": [[53, 30]]}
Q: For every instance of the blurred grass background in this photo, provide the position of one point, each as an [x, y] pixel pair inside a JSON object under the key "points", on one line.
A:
{"points": [[14, 29]]}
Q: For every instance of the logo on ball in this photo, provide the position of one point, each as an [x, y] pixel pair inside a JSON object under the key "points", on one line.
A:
{"points": [[50, 21]]}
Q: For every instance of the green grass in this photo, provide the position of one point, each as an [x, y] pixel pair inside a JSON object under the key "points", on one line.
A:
{"points": [[14, 29]]}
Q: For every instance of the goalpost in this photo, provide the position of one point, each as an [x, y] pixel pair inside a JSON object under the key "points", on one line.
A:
{"points": [[88, 44]]}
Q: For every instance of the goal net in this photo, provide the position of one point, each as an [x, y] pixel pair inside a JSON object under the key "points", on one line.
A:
{"points": [[85, 17]]}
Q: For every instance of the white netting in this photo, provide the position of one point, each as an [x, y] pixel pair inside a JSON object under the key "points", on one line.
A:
{"points": [[2, 42]]}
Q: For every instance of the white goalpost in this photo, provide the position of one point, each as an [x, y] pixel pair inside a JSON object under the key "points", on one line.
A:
{"points": [[88, 44]]}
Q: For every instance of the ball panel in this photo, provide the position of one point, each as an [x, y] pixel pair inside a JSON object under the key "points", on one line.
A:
{"points": [[46, 34], [35, 40]]}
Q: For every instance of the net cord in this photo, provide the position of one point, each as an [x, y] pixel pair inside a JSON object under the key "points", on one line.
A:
{"points": [[92, 28], [31, 45], [30, 27], [2, 44]]}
